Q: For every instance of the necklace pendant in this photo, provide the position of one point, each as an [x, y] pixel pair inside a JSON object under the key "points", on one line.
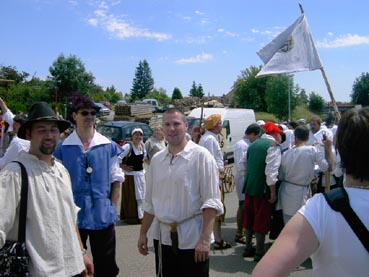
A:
{"points": [[89, 170]]}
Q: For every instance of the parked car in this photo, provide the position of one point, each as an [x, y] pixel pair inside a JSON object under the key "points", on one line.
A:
{"points": [[103, 110], [120, 131], [107, 104], [121, 103]]}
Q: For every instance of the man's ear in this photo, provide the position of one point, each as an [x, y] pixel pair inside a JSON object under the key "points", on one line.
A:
{"points": [[28, 134]]}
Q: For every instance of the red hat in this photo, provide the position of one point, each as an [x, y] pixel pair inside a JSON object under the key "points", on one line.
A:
{"points": [[271, 127]]}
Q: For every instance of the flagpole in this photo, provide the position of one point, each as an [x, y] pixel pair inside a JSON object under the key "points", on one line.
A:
{"points": [[336, 111]]}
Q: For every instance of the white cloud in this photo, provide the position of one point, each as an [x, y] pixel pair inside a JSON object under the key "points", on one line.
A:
{"points": [[199, 13], [343, 41], [120, 28], [93, 22], [195, 40], [220, 30], [204, 57], [233, 35], [268, 33]]}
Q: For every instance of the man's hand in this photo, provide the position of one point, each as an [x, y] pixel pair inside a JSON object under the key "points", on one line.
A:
{"points": [[142, 245], [273, 198], [273, 194], [202, 250]]}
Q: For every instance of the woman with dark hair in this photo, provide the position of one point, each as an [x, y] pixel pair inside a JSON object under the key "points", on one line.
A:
{"points": [[319, 231]]}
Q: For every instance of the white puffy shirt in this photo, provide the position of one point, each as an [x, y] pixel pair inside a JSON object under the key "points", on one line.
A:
{"points": [[180, 187], [51, 236]]}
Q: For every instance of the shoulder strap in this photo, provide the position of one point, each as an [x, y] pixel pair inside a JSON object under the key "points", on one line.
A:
{"points": [[339, 201], [23, 204]]}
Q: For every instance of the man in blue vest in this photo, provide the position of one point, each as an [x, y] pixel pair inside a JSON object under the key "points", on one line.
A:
{"points": [[92, 161]]}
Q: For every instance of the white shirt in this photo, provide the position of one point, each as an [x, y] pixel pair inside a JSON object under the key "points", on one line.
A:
{"points": [[296, 173], [209, 140], [8, 117], [340, 252], [116, 172], [51, 236], [240, 161], [179, 187], [290, 139], [16, 146], [273, 161]]}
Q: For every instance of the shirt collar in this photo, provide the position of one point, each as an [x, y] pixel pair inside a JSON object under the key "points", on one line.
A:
{"points": [[186, 153], [98, 139]]}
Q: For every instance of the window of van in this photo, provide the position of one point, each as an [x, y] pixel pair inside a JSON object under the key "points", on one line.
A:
{"points": [[226, 125]]}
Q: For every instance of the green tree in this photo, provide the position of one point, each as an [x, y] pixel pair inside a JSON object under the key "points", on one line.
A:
{"points": [[276, 95], [316, 103], [250, 91], [177, 94], [113, 95], [193, 90], [160, 95], [143, 82], [200, 91], [360, 90], [196, 91], [11, 73], [68, 74]]}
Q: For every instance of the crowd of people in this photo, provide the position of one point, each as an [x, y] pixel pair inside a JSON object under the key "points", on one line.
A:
{"points": [[172, 185]]}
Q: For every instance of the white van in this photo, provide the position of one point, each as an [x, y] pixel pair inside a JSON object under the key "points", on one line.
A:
{"points": [[235, 122]]}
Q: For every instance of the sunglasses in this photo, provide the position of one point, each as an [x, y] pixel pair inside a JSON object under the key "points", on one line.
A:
{"points": [[86, 113]]}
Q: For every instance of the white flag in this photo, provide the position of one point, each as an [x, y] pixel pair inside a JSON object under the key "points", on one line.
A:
{"points": [[291, 51]]}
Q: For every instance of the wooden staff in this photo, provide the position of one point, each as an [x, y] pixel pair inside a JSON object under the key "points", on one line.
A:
{"points": [[327, 181]]}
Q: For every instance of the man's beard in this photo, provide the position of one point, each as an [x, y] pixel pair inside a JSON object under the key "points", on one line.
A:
{"points": [[47, 150]]}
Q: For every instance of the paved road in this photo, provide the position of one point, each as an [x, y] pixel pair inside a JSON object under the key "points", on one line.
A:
{"points": [[222, 263]]}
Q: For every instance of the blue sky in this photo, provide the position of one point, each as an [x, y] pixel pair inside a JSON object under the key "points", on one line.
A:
{"points": [[206, 41]]}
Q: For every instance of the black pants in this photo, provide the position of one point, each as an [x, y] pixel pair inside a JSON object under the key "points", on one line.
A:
{"points": [[179, 265], [103, 244]]}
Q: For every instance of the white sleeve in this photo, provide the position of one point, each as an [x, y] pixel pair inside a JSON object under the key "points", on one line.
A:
{"points": [[273, 161]]}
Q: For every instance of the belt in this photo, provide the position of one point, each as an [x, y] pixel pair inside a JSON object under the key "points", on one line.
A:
{"points": [[299, 185]]}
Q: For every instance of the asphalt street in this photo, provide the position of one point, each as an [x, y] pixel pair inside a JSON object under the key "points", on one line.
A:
{"points": [[227, 262]]}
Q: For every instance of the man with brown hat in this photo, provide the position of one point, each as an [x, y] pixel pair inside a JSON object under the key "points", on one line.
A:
{"points": [[213, 126], [92, 162], [52, 241]]}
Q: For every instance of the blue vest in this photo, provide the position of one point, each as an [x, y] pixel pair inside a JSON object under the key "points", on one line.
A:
{"points": [[91, 191]]}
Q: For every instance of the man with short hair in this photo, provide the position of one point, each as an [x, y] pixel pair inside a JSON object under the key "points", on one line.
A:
{"points": [[317, 135], [252, 133], [263, 161], [52, 238], [297, 172], [183, 196], [92, 161]]}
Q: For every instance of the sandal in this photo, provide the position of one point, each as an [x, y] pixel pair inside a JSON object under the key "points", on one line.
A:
{"points": [[240, 239], [221, 245]]}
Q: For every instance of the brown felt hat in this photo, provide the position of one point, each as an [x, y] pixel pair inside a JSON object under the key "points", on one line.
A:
{"points": [[41, 111]]}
